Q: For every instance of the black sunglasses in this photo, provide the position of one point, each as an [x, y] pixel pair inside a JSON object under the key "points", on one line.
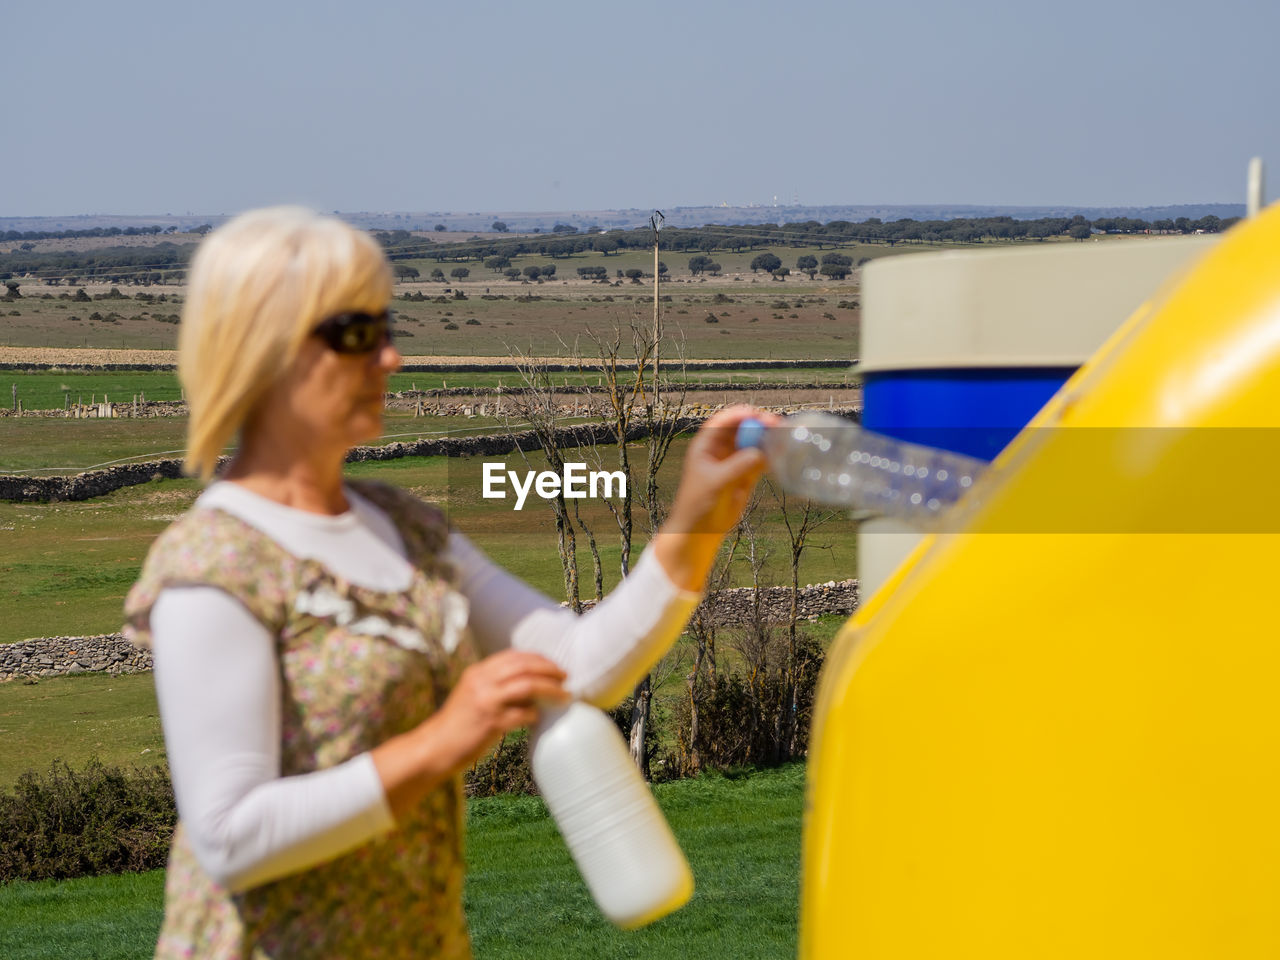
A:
{"points": [[356, 332]]}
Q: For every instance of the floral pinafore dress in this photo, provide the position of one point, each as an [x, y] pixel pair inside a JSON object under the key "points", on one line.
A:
{"points": [[357, 667]]}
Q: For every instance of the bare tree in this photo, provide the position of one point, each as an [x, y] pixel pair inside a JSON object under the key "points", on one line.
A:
{"points": [[702, 628], [801, 519], [538, 406], [631, 410]]}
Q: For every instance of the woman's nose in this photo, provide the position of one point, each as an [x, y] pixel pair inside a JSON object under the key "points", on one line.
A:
{"points": [[390, 358]]}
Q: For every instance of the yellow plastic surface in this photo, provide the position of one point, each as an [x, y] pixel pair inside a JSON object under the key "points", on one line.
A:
{"points": [[1034, 742]]}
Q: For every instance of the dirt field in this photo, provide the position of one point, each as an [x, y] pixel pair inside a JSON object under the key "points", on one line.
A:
{"points": [[72, 356], [747, 318]]}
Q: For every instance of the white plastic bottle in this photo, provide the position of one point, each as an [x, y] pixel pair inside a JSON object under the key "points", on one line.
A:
{"points": [[836, 462], [606, 813]]}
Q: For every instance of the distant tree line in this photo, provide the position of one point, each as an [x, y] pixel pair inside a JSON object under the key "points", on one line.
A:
{"points": [[13, 236], [566, 241], [166, 262], [162, 263]]}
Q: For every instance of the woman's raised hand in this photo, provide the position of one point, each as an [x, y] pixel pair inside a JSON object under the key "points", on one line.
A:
{"points": [[715, 485]]}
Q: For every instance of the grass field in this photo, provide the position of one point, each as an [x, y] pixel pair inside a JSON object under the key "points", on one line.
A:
{"points": [[44, 445], [103, 918], [75, 719], [524, 897], [41, 390], [116, 720], [67, 566]]}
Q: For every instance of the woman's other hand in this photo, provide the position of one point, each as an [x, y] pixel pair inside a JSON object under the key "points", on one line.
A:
{"points": [[715, 485], [499, 694]]}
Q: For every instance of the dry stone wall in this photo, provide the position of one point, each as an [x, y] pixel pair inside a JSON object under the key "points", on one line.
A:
{"points": [[87, 485], [497, 366], [97, 483], [56, 656], [112, 654], [106, 410], [736, 607]]}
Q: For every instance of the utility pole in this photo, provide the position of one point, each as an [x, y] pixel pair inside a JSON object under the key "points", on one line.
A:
{"points": [[655, 222], [1255, 191]]}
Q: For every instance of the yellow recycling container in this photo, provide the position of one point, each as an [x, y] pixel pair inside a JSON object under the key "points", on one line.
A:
{"points": [[1055, 731]]}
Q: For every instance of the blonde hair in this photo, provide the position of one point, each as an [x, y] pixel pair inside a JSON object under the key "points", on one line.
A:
{"points": [[258, 285]]}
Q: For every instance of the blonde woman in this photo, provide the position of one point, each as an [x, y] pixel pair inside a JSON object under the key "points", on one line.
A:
{"points": [[329, 655]]}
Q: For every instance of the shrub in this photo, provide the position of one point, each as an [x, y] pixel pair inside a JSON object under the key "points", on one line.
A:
{"points": [[98, 820], [505, 769], [744, 718]]}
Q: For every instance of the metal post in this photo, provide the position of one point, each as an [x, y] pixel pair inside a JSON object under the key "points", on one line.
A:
{"points": [[1255, 191], [657, 326], [655, 222]]}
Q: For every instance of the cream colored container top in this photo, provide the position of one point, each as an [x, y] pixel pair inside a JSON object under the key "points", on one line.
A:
{"points": [[1041, 305]]}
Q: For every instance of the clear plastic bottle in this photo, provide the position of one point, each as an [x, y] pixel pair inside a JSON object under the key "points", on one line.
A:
{"points": [[606, 813], [837, 463]]}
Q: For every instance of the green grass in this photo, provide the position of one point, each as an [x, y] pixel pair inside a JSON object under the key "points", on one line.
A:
{"points": [[98, 918], [524, 897], [44, 390], [48, 446], [51, 390], [115, 719], [742, 837], [67, 566], [76, 719]]}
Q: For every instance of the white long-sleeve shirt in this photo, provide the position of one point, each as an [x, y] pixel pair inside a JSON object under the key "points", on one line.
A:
{"points": [[218, 683]]}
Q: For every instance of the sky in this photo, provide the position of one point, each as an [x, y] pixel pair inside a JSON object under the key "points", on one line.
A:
{"points": [[150, 106]]}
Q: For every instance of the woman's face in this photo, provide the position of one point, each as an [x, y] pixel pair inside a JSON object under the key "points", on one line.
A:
{"points": [[332, 399]]}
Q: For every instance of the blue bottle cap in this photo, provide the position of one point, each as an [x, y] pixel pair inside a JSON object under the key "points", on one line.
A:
{"points": [[750, 434]]}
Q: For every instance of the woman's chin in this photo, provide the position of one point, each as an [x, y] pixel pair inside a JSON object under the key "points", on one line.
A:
{"points": [[365, 430]]}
